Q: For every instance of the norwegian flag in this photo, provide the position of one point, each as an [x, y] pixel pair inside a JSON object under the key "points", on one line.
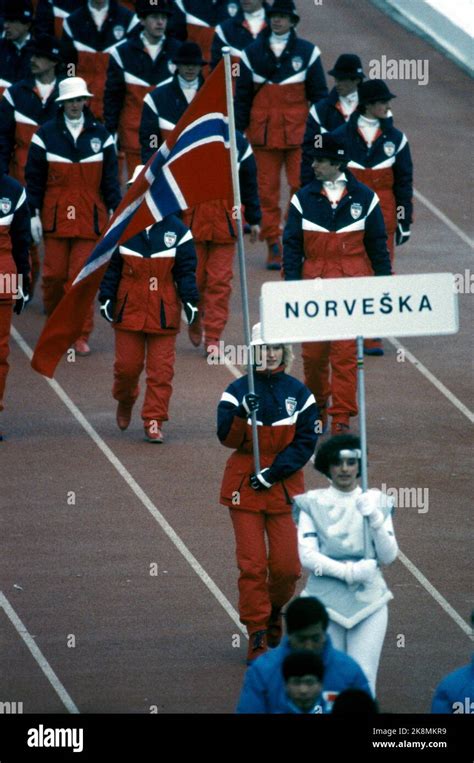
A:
{"points": [[192, 166]]}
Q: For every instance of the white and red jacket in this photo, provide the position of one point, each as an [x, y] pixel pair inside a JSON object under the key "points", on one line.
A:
{"points": [[320, 241], [74, 184], [273, 93], [202, 17], [14, 235]]}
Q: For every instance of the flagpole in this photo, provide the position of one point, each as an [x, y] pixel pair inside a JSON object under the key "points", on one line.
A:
{"points": [[363, 436], [240, 242]]}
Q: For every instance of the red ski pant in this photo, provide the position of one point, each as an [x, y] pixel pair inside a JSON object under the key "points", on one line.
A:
{"points": [[267, 577], [63, 258], [330, 370], [6, 309], [134, 349], [270, 163], [214, 278]]}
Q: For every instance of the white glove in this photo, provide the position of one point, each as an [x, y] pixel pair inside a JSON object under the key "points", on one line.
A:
{"points": [[368, 505], [36, 228], [361, 572]]}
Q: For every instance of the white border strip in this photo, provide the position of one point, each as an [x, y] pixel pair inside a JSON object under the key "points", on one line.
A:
{"points": [[38, 655]]}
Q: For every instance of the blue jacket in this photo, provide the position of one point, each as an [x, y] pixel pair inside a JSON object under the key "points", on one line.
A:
{"points": [[233, 33], [264, 688], [323, 116], [272, 92], [386, 166], [453, 691], [14, 63], [321, 242]]}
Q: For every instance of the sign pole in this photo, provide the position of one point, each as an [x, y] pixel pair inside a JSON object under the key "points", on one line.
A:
{"points": [[363, 438], [240, 243]]}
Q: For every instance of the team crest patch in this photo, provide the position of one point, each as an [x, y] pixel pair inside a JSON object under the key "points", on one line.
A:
{"points": [[290, 405], [170, 238], [232, 9], [297, 63], [389, 148], [96, 145], [118, 32], [5, 205], [356, 210]]}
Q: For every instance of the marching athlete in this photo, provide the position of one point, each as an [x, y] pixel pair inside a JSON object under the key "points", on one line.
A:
{"points": [[335, 229], [15, 44], [260, 503], [344, 575], [148, 278], [334, 110], [379, 156], [14, 265], [72, 186], [240, 30], [136, 66], [280, 74]]}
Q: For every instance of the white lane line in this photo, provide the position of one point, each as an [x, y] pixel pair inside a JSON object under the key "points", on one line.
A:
{"points": [[441, 216], [135, 488], [436, 595], [38, 655], [432, 378]]}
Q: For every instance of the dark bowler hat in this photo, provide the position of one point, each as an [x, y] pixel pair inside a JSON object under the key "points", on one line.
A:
{"points": [[347, 66], [18, 10], [189, 53], [47, 46], [147, 7], [373, 90], [329, 148], [284, 7]]}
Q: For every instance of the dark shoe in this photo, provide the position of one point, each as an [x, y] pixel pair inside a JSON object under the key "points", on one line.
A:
{"points": [[373, 347], [275, 628], [274, 256], [257, 645], [340, 425], [81, 348], [124, 414], [153, 432]]}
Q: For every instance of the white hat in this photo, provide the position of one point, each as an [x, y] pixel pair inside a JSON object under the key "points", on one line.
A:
{"points": [[73, 87], [136, 173], [257, 335]]}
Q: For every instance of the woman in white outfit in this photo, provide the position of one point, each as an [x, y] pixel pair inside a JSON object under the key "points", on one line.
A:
{"points": [[344, 535]]}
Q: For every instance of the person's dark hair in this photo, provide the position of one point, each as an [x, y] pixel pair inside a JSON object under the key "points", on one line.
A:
{"points": [[304, 612], [302, 662], [328, 453], [354, 701]]}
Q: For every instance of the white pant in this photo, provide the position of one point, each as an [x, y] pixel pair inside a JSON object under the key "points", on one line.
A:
{"points": [[363, 642]]}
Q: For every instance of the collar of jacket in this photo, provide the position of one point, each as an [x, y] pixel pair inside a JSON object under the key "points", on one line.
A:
{"points": [[136, 41], [268, 374], [325, 655], [89, 119], [316, 185], [177, 86], [266, 33], [385, 124], [111, 12]]}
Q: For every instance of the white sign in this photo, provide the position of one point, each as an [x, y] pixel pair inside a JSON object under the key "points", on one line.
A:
{"points": [[342, 308]]}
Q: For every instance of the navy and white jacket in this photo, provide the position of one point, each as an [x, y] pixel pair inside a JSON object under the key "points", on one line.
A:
{"points": [[324, 116], [162, 110], [264, 688], [202, 16], [65, 176], [322, 242], [386, 166], [21, 113], [287, 437], [131, 75], [234, 33], [149, 274], [15, 236], [14, 62], [50, 15], [273, 93]]}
